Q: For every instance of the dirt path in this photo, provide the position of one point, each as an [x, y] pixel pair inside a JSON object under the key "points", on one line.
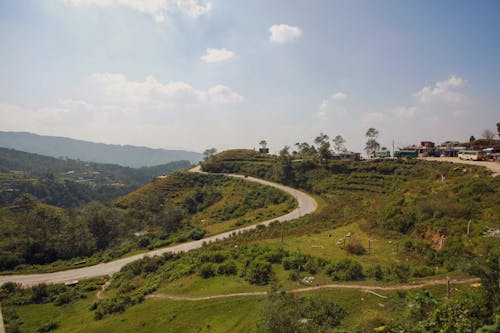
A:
{"points": [[364, 288], [305, 205], [493, 166]]}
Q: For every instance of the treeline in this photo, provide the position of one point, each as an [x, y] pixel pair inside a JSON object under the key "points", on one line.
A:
{"points": [[70, 183]]}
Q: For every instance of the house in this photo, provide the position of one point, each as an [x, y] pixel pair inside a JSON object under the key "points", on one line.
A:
{"points": [[382, 154], [426, 148], [449, 149], [348, 155]]}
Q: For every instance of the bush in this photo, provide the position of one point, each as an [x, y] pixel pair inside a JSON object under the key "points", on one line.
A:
{"points": [[400, 272], [228, 268], [345, 270], [422, 271], [50, 326], [375, 272], [356, 248], [144, 242], [207, 271], [259, 272]]}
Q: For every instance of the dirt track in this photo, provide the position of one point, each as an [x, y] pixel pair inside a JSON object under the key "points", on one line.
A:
{"points": [[365, 288]]}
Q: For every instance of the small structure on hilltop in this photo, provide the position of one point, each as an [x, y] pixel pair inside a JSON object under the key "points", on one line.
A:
{"points": [[449, 149], [263, 147], [347, 155], [426, 149]]}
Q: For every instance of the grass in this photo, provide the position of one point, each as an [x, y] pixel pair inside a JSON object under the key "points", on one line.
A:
{"points": [[238, 314], [323, 244]]}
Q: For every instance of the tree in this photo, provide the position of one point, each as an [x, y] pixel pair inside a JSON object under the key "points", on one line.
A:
{"points": [[321, 139], [209, 153], [102, 223], [498, 129], [305, 149], [371, 144], [259, 272], [323, 147], [488, 134], [339, 144], [283, 171]]}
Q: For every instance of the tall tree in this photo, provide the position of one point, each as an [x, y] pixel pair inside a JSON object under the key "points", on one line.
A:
{"points": [[209, 153], [284, 169], [339, 144], [488, 134], [371, 144], [324, 152]]}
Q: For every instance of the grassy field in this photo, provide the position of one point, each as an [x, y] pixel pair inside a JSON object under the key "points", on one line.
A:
{"points": [[238, 314]]}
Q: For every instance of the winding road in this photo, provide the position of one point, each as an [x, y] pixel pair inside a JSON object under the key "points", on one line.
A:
{"points": [[306, 205]]}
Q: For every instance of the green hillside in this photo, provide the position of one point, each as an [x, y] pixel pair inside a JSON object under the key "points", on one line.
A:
{"points": [[380, 224], [70, 183]]}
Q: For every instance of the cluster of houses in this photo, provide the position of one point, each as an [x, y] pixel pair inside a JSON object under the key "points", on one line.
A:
{"points": [[425, 149]]}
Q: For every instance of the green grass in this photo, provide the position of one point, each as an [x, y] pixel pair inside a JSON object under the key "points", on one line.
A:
{"points": [[239, 314], [323, 244]]}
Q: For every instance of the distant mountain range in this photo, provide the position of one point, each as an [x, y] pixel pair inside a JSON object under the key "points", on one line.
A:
{"points": [[126, 155]]}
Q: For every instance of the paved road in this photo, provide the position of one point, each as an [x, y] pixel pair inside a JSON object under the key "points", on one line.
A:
{"points": [[493, 166], [306, 205]]}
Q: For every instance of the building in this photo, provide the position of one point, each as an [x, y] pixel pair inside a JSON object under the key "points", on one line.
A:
{"points": [[426, 148], [382, 154], [348, 155]]}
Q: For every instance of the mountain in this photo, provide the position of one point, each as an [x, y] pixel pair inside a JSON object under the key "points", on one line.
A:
{"points": [[126, 155], [71, 183]]}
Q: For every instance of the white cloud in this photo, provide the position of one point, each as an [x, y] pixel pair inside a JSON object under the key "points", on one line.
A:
{"points": [[158, 9], [443, 92], [339, 96], [325, 107], [154, 94], [372, 118], [282, 33], [217, 55], [404, 112]]}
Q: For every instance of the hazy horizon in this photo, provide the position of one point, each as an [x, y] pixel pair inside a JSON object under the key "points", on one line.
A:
{"points": [[196, 74]]}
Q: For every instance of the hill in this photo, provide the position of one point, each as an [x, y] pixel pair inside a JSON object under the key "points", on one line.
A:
{"points": [[126, 155], [69, 183], [380, 223]]}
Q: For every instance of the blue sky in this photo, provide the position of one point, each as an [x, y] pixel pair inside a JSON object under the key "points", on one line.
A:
{"points": [[195, 74]]}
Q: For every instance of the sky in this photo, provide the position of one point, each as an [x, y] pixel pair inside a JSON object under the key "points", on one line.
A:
{"points": [[196, 74]]}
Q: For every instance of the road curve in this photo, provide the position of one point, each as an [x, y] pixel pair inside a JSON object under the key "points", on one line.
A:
{"points": [[306, 205]]}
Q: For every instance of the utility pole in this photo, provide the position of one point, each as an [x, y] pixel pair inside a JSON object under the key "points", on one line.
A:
{"points": [[468, 227], [392, 148], [448, 287]]}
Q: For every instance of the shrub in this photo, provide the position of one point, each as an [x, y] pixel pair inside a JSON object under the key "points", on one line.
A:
{"points": [[50, 326], [259, 272], [421, 271], [207, 270], [375, 272], [355, 247], [345, 270], [400, 272]]}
